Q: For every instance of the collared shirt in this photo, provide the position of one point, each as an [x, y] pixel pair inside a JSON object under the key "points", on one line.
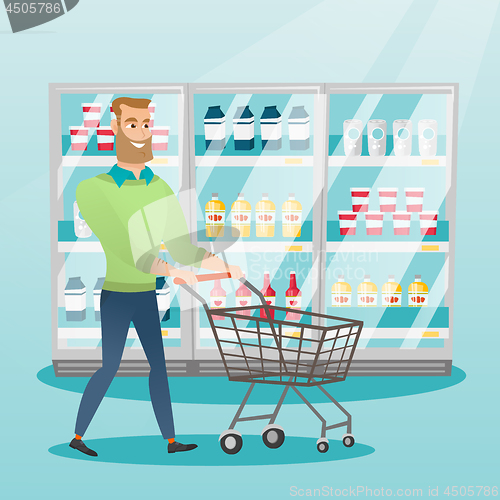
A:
{"points": [[120, 175]]}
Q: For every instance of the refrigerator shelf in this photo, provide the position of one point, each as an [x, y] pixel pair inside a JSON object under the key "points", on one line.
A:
{"points": [[95, 333], [254, 161], [387, 246], [386, 161], [109, 161]]}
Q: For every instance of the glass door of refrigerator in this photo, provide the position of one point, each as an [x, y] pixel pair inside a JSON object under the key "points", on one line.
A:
{"points": [[388, 237], [88, 149], [255, 163]]}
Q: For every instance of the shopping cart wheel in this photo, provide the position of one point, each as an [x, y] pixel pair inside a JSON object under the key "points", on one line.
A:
{"points": [[231, 442], [273, 436], [348, 440], [322, 445]]}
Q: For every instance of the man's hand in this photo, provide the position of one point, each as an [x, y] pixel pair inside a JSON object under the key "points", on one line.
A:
{"points": [[236, 272], [188, 276]]}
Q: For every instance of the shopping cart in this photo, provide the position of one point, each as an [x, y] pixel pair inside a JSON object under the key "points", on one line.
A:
{"points": [[315, 351]]}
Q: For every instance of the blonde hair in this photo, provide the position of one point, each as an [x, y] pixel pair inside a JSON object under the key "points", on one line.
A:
{"points": [[128, 101]]}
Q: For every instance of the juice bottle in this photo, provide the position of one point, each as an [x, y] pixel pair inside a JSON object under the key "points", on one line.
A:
{"points": [[293, 298], [367, 293], [243, 298], [341, 293], [217, 298], [265, 216], [241, 216], [269, 295], [215, 213], [417, 293], [291, 217], [391, 293]]}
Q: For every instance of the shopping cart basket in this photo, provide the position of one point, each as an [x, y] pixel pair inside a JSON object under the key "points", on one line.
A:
{"points": [[314, 351]]}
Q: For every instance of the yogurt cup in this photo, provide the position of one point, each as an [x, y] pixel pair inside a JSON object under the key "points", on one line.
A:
{"points": [[111, 112], [428, 222], [360, 198], [79, 138], [347, 222], [387, 198], [374, 223], [160, 138], [105, 139], [91, 114], [152, 109], [401, 221], [414, 199]]}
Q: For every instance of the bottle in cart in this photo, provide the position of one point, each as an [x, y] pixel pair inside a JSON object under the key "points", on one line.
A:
{"points": [[269, 295], [241, 216], [243, 298], [418, 293], [291, 215], [391, 293], [367, 293], [265, 213], [217, 298], [215, 214], [341, 293], [293, 298]]}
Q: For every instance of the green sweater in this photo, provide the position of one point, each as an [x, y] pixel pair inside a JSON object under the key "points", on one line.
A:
{"points": [[130, 222]]}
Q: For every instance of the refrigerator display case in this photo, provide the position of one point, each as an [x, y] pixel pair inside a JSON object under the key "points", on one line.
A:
{"points": [[275, 178]]}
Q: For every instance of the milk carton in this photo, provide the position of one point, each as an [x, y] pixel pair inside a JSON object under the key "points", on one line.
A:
{"points": [[215, 128], [163, 298], [298, 128], [270, 128], [97, 298], [243, 129], [75, 300]]}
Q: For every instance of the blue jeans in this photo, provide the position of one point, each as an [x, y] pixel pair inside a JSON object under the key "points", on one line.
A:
{"points": [[118, 309]]}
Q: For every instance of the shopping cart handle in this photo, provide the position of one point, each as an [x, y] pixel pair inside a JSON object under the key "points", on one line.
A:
{"points": [[205, 277]]}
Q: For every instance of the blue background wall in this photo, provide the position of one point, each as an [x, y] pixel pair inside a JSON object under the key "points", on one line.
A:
{"points": [[271, 40]]}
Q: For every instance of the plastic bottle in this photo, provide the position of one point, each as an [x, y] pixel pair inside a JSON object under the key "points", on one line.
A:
{"points": [[241, 216], [215, 214], [418, 293], [217, 298], [265, 215], [341, 293], [367, 293], [391, 293], [291, 215], [243, 298], [75, 300], [269, 295], [293, 298]]}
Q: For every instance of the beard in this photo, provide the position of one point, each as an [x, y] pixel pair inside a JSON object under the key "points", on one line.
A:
{"points": [[128, 153]]}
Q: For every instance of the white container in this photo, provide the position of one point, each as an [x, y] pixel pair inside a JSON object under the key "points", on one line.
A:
{"points": [[75, 300], [299, 128], [244, 129], [91, 114], [97, 298], [270, 128], [414, 199], [402, 136], [427, 137], [377, 137], [160, 138], [79, 138], [353, 137], [215, 128], [82, 230], [105, 139], [387, 198]]}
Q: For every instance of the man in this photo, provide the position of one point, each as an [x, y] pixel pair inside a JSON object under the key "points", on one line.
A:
{"points": [[131, 211]]}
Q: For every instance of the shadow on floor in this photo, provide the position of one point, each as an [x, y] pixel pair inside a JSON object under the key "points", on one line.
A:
{"points": [[218, 390], [151, 450]]}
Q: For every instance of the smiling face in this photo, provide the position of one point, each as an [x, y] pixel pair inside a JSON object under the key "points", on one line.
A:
{"points": [[133, 136]]}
